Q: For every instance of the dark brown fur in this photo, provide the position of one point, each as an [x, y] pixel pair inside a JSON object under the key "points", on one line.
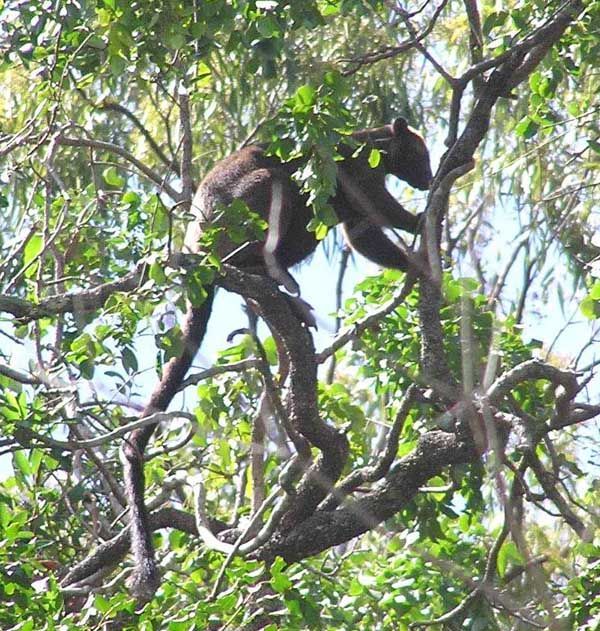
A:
{"points": [[362, 204]]}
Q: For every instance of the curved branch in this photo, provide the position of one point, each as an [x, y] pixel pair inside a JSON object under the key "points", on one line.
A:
{"points": [[88, 443], [326, 529], [298, 346], [108, 104], [532, 369], [111, 552], [102, 145], [78, 302]]}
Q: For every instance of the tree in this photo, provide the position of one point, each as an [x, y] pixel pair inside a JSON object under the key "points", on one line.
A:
{"points": [[433, 464]]}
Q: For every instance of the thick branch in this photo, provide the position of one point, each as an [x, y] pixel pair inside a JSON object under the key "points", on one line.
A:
{"points": [[532, 369], [382, 464], [302, 398], [111, 552], [434, 364], [79, 302], [326, 529]]}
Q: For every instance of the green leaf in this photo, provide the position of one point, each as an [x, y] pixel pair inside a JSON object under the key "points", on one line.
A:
{"points": [[101, 603], [21, 462], [329, 7], [35, 460], [129, 360], [170, 342], [112, 178], [356, 589], [590, 308], [203, 76], [574, 108], [176, 40], [469, 285], [157, 273], [519, 18], [117, 65], [195, 291], [508, 554], [305, 95], [526, 128], [594, 145], [131, 198], [279, 581], [534, 80], [374, 158], [268, 26], [494, 20], [33, 248], [595, 291], [546, 87]]}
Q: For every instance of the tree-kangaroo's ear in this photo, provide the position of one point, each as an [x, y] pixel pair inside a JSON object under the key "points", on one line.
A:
{"points": [[399, 126]]}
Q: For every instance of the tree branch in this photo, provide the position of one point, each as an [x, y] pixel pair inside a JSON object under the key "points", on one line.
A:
{"points": [[101, 145], [394, 51], [109, 105], [79, 302], [111, 552], [532, 369], [382, 465], [326, 529], [301, 402]]}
